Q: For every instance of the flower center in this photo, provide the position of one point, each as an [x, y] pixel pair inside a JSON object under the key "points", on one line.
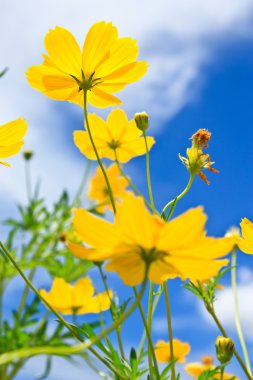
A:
{"points": [[86, 83], [152, 255], [114, 144]]}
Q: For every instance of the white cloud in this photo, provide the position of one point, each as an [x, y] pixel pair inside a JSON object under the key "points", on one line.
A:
{"points": [[177, 38]]}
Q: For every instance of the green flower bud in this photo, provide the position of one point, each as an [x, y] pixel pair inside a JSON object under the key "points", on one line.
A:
{"points": [[142, 120], [224, 349], [27, 154]]}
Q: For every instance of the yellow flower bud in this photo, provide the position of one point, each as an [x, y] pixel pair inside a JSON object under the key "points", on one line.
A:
{"points": [[27, 154], [142, 120], [224, 349]]}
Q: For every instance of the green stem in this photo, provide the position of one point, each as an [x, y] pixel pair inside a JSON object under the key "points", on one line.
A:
{"points": [[130, 183], [28, 180], [96, 153], [221, 373], [78, 195], [148, 174], [150, 343], [222, 330], [167, 300], [155, 303], [237, 318], [180, 195], [111, 301], [26, 292], [89, 343]]}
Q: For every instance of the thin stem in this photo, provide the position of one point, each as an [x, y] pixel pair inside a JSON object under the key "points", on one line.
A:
{"points": [[78, 195], [222, 373], [96, 153], [155, 303], [167, 299], [130, 183], [222, 330], [148, 174], [149, 322], [150, 343], [103, 277], [26, 292], [237, 317], [28, 180], [188, 186], [89, 343]]}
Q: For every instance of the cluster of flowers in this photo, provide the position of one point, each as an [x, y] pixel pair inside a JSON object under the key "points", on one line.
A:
{"points": [[140, 244]]}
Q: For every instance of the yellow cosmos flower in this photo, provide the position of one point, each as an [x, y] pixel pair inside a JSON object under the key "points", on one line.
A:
{"points": [[180, 350], [11, 138], [104, 66], [98, 189], [77, 299], [137, 238], [115, 138], [195, 369], [245, 243]]}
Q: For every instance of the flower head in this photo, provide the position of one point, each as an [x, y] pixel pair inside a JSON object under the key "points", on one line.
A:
{"points": [[224, 349], [196, 159], [98, 189], [76, 299], [11, 138], [245, 243], [180, 350], [104, 66], [142, 121], [196, 369], [138, 239], [116, 138]]}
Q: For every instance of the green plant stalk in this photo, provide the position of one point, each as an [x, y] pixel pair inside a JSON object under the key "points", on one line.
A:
{"points": [[111, 301], [222, 373], [148, 174], [89, 343], [96, 153], [188, 186], [149, 319], [143, 338], [167, 300], [150, 343], [237, 318], [222, 330], [28, 180], [78, 195], [130, 183]]}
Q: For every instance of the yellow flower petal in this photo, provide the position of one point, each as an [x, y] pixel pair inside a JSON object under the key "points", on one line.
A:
{"points": [[122, 264], [180, 350], [11, 138], [93, 230], [64, 51], [247, 229], [97, 44]]}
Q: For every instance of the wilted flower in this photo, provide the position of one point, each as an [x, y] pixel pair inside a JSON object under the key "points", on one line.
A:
{"points": [[196, 159]]}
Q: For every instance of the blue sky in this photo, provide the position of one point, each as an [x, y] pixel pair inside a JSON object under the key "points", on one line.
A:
{"points": [[206, 65]]}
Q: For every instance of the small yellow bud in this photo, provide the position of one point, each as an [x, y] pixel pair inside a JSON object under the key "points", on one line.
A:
{"points": [[142, 120], [224, 349], [27, 154]]}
